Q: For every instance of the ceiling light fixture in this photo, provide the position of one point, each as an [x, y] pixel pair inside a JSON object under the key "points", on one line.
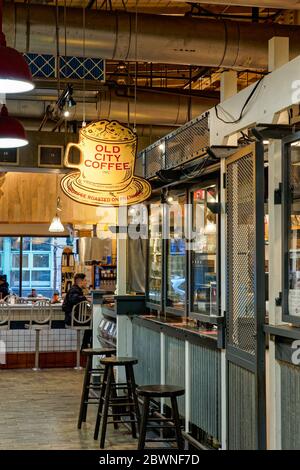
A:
{"points": [[12, 133], [56, 225], [15, 76]]}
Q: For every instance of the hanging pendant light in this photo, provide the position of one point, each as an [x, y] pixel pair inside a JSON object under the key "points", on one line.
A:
{"points": [[15, 76], [12, 133], [56, 225]]}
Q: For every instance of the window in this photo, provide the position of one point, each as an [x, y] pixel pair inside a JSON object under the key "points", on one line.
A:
{"points": [[16, 260], [203, 252], [291, 221], [41, 261], [41, 244], [41, 278]]}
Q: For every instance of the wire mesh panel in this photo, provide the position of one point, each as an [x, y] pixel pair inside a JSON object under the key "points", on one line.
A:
{"points": [[154, 160], [188, 142], [241, 327], [245, 341], [139, 166]]}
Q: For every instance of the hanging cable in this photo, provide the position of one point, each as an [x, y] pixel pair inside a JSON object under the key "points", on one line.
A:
{"points": [[135, 80], [241, 115], [84, 71], [57, 48]]}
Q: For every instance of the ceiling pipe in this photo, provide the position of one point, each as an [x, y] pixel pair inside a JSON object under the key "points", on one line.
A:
{"points": [[161, 38], [158, 108], [286, 4], [142, 130]]}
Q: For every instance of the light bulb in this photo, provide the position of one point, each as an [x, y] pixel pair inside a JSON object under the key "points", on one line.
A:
{"points": [[10, 143]]}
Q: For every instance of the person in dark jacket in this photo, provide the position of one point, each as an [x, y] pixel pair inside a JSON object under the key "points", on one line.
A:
{"points": [[73, 297], [4, 287]]}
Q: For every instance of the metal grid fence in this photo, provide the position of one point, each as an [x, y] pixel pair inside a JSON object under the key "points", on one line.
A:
{"points": [[241, 254], [183, 145]]}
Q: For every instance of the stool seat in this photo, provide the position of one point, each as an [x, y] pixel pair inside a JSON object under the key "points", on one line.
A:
{"points": [[148, 392], [160, 391], [118, 361], [98, 351]]}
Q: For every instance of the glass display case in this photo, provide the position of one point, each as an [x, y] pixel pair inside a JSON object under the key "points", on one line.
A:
{"points": [[203, 242], [155, 262], [176, 251], [291, 227]]}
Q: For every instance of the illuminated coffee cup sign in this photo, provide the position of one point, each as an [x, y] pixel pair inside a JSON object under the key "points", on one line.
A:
{"points": [[104, 174]]}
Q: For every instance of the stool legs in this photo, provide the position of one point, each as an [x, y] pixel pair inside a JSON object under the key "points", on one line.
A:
{"points": [[78, 351], [106, 406], [109, 398], [100, 407], [130, 400], [143, 430], [85, 392], [37, 350], [177, 423]]}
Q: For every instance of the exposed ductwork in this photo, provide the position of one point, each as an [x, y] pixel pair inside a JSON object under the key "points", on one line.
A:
{"points": [[282, 4], [161, 108], [165, 39]]}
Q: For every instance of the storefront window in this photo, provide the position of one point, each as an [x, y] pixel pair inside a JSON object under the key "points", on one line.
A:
{"points": [[16, 260], [203, 248], [41, 263]]}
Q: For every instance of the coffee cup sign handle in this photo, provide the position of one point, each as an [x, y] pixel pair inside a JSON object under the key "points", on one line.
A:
{"points": [[66, 159]]}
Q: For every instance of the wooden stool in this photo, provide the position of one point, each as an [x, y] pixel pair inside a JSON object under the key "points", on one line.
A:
{"points": [[87, 386], [109, 397], [160, 391]]}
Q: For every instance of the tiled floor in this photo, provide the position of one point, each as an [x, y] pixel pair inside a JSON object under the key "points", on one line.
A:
{"points": [[39, 410]]}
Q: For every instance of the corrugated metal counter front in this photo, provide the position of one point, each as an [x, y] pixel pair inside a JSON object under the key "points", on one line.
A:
{"points": [[180, 355]]}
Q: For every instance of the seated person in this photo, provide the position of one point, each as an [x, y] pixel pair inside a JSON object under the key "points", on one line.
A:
{"points": [[4, 287], [33, 293], [73, 297], [55, 298]]}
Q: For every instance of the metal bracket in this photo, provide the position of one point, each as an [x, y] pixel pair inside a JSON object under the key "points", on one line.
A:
{"points": [[278, 195], [278, 300]]}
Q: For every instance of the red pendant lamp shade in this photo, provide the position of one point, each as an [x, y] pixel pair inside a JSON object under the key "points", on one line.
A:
{"points": [[15, 76], [12, 133]]}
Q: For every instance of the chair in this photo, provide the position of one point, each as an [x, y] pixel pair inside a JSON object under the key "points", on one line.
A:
{"points": [[11, 299], [4, 316], [40, 319], [81, 320]]}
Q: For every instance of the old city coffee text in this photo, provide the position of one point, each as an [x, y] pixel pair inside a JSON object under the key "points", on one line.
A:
{"points": [[107, 158]]}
